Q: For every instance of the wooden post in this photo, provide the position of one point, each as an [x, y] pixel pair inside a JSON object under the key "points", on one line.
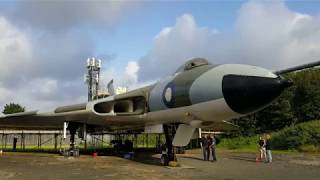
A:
{"points": [[61, 141], [2, 141], [92, 141], [85, 136], [24, 141], [14, 143], [158, 143], [40, 140], [5, 141], [144, 139], [55, 141], [147, 142], [21, 140], [102, 140]]}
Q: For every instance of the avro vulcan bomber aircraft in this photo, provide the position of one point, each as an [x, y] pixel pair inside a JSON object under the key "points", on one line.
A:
{"points": [[197, 95]]}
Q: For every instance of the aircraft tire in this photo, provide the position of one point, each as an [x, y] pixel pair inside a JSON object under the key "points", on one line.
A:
{"points": [[164, 160]]}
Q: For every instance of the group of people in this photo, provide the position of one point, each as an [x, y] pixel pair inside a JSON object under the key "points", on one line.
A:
{"points": [[208, 144], [265, 149]]}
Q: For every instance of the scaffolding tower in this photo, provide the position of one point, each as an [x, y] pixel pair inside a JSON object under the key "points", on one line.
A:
{"points": [[93, 77]]}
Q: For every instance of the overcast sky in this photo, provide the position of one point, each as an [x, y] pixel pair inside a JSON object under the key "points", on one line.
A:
{"points": [[44, 44]]}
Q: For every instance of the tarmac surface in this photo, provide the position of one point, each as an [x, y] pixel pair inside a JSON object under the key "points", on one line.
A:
{"points": [[230, 166]]}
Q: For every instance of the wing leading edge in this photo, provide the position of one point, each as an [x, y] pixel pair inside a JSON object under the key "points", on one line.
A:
{"points": [[37, 121]]}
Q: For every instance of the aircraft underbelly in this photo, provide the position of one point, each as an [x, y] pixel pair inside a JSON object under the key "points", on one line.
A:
{"points": [[215, 110]]}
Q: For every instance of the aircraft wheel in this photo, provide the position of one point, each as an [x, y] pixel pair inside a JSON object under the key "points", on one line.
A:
{"points": [[66, 153], [164, 160], [76, 153]]}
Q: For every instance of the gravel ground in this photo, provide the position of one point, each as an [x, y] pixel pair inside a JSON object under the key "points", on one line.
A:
{"points": [[230, 166]]}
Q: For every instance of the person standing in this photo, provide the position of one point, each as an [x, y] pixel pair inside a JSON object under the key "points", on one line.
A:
{"points": [[213, 149], [208, 147], [262, 149], [204, 144], [268, 149]]}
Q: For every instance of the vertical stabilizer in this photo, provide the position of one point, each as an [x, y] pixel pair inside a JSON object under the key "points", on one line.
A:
{"points": [[110, 88]]}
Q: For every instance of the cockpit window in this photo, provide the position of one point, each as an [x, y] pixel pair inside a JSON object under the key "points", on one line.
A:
{"points": [[193, 63]]}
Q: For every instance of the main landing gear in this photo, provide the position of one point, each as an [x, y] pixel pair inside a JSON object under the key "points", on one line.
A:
{"points": [[72, 151], [168, 154]]}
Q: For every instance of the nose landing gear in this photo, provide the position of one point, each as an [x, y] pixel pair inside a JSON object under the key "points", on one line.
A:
{"points": [[168, 155]]}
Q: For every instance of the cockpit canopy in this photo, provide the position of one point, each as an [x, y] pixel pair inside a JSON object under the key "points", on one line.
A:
{"points": [[193, 63]]}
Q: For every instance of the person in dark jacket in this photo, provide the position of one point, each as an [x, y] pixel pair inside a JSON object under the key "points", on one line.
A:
{"points": [[268, 149], [208, 147], [213, 148], [204, 144]]}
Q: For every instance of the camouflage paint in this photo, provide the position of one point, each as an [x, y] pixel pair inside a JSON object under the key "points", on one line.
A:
{"points": [[197, 85]]}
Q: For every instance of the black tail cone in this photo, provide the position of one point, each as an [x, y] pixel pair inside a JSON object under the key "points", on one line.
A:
{"points": [[245, 94]]}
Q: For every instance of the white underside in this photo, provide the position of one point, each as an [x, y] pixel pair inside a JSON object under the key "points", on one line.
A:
{"points": [[211, 111]]}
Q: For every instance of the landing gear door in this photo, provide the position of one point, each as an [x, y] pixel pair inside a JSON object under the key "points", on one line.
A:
{"points": [[183, 135], [196, 134]]}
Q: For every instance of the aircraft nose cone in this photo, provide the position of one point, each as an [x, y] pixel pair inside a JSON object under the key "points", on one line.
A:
{"points": [[245, 94]]}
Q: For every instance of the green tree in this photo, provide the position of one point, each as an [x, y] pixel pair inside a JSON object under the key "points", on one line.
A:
{"points": [[306, 100], [13, 108], [277, 116], [247, 125]]}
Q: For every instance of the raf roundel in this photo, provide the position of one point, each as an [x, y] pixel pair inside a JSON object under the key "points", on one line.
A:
{"points": [[168, 95]]}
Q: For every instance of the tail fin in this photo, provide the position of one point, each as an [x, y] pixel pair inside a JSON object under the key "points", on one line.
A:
{"points": [[110, 88], [297, 68]]}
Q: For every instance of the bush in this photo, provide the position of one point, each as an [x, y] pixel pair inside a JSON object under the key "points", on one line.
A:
{"points": [[309, 148], [294, 137], [303, 137]]}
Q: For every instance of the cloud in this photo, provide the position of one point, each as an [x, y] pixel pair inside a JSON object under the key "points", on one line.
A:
{"points": [[44, 88], [127, 78], [4, 94], [175, 45], [266, 34], [63, 14], [44, 94], [44, 45], [131, 76], [271, 35], [61, 56], [15, 51], [43, 70]]}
